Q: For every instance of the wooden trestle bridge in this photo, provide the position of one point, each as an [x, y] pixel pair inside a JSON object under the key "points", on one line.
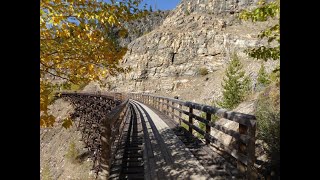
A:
{"points": [[140, 136]]}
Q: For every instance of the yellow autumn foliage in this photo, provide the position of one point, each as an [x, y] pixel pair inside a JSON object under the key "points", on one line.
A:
{"points": [[76, 45]]}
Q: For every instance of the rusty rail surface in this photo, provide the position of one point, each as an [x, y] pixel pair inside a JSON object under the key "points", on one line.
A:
{"points": [[245, 137], [99, 118]]}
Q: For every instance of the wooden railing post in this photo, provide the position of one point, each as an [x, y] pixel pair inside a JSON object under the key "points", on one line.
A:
{"points": [[157, 103], [172, 110], [106, 154], [208, 128], [162, 105], [190, 119], [242, 149], [167, 110], [180, 114], [251, 174], [147, 99]]}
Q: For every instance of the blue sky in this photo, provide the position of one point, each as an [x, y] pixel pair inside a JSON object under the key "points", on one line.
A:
{"points": [[161, 4]]}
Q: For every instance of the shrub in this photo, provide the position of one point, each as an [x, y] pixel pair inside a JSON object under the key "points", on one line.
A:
{"points": [[46, 174], [186, 12], [268, 125], [203, 71]]}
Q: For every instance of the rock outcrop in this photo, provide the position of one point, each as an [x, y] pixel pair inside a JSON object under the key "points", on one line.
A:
{"points": [[196, 35]]}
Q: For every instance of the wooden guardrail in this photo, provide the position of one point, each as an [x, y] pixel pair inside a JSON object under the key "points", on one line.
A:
{"points": [[111, 133], [244, 137], [106, 124]]}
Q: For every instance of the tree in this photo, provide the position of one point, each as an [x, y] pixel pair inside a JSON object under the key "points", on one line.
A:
{"points": [[76, 43], [235, 84], [263, 78], [150, 8], [264, 12]]}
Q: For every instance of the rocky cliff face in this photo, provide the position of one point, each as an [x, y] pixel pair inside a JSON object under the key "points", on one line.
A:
{"points": [[143, 26], [197, 35]]}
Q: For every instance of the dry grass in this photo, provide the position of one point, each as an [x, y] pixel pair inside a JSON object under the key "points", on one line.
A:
{"points": [[46, 174], [202, 71], [72, 153]]}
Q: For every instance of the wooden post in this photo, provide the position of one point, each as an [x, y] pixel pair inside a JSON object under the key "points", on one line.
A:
{"points": [[157, 103], [162, 105], [106, 151], [167, 110], [190, 119], [172, 110], [242, 149], [180, 114], [208, 128], [251, 174]]}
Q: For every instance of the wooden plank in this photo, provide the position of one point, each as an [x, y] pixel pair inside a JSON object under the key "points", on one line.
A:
{"points": [[158, 148], [148, 157]]}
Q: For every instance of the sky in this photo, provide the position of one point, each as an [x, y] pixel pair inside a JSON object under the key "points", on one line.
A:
{"points": [[161, 4]]}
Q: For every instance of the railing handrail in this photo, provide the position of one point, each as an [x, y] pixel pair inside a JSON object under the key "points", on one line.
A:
{"points": [[245, 137], [241, 118], [114, 114]]}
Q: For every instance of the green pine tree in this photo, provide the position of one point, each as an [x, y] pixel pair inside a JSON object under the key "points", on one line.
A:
{"points": [[235, 84], [263, 77]]}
